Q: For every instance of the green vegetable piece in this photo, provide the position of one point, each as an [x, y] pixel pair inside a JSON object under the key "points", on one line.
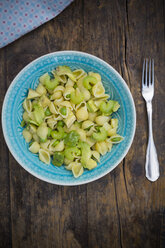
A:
{"points": [[49, 131], [39, 114], [68, 96], [76, 96], [60, 124], [50, 84], [47, 112], [116, 139], [85, 153], [23, 123], [56, 142], [58, 159], [70, 152], [60, 134], [100, 136], [91, 106], [63, 111], [107, 108], [88, 80], [72, 138], [43, 140], [75, 86]]}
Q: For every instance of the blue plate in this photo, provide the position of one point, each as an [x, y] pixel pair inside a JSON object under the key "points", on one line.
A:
{"points": [[28, 78]]}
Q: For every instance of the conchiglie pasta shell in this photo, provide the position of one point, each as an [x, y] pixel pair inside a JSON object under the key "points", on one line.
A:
{"points": [[34, 148], [78, 73], [41, 89], [27, 105], [52, 108], [27, 135], [82, 134], [44, 156], [96, 155], [87, 124], [101, 147], [59, 147], [45, 145], [98, 90], [77, 169], [101, 119]]}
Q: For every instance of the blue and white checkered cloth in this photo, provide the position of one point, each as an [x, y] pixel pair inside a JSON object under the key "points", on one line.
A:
{"points": [[18, 17]]}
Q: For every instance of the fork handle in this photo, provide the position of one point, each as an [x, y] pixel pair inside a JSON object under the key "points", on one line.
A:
{"points": [[152, 164]]}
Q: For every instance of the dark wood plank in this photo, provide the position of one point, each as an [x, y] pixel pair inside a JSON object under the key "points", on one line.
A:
{"points": [[5, 208]]}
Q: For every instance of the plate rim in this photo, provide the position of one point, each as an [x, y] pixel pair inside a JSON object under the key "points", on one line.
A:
{"points": [[53, 181]]}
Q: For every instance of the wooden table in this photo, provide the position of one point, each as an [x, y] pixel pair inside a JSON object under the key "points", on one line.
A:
{"points": [[122, 209]]}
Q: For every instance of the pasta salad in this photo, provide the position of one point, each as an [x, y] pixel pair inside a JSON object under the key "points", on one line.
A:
{"points": [[68, 119]]}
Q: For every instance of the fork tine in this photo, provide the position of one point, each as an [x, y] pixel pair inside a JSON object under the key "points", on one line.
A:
{"points": [[153, 72], [143, 83], [149, 77], [146, 72]]}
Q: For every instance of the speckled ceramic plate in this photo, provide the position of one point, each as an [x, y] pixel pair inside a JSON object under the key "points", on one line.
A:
{"points": [[28, 78]]}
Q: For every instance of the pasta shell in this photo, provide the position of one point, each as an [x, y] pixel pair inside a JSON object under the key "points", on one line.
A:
{"points": [[96, 155], [78, 73], [82, 114], [101, 147], [32, 94], [44, 156], [70, 119], [27, 135], [101, 119], [98, 90], [34, 148], [59, 147], [27, 105], [41, 89], [52, 108], [87, 124], [77, 169]]}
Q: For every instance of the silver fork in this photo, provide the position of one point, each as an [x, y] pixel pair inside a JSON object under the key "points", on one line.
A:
{"points": [[152, 164]]}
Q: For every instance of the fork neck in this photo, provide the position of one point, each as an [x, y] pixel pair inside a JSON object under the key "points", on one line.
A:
{"points": [[149, 113]]}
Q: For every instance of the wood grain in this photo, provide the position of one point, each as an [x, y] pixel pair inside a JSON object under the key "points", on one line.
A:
{"points": [[122, 209]]}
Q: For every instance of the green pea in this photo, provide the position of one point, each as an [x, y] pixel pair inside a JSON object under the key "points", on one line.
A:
{"points": [[60, 124], [49, 131], [63, 111], [47, 112]]}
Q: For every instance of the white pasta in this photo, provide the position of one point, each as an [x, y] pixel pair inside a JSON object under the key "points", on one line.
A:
{"points": [[34, 148], [44, 156], [27, 105], [68, 119]]}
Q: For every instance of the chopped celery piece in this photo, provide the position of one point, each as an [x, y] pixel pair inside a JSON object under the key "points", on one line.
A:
{"points": [[43, 140], [91, 106], [72, 138], [56, 142], [85, 153], [100, 136], [76, 96], [63, 111], [88, 80], [60, 124], [47, 112], [58, 159], [49, 83], [60, 134], [70, 152], [109, 107], [49, 131]]}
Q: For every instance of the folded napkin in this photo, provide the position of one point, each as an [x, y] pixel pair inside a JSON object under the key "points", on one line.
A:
{"points": [[18, 17]]}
